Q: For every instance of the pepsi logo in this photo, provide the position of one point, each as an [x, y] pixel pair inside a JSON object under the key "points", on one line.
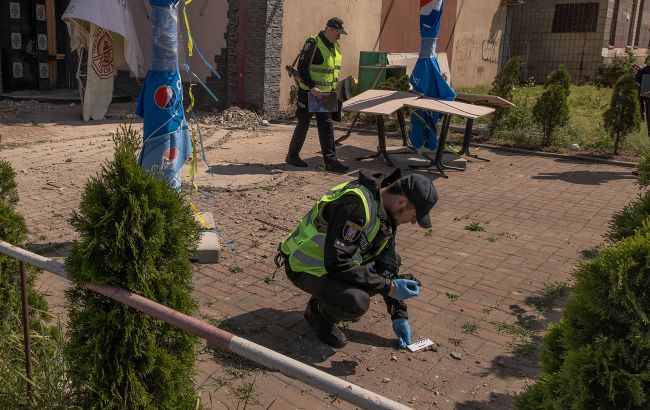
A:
{"points": [[170, 154], [164, 97]]}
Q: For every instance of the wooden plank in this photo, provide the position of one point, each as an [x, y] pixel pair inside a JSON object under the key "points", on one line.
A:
{"points": [[484, 99], [381, 102], [451, 107]]}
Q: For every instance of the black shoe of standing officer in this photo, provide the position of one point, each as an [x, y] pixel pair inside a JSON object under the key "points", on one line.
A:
{"points": [[295, 161], [336, 166], [327, 332]]}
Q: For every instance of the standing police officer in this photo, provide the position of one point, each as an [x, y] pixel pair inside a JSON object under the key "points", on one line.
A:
{"points": [[319, 67], [343, 251]]}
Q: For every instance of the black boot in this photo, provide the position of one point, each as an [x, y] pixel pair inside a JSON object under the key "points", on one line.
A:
{"points": [[336, 166], [327, 332], [295, 161]]}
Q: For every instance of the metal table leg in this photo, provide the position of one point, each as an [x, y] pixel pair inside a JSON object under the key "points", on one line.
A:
{"points": [[381, 147], [466, 140]]}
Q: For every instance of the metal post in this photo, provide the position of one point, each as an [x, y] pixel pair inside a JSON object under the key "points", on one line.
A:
{"points": [[26, 331]]}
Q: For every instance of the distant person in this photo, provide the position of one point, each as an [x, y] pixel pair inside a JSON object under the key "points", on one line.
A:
{"points": [[643, 101], [319, 67]]}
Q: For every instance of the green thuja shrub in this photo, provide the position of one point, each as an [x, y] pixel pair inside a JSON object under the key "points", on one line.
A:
{"points": [[561, 77], [48, 369], [598, 356], [623, 117], [136, 234], [644, 170], [503, 85], [608, 74], [551, 111]]}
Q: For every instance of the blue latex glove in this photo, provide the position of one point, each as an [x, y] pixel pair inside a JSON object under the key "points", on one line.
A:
{"points": [[403, 331], [404, 289]]}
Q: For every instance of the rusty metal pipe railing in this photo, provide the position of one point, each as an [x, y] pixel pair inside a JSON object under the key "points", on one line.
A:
{"points": [[27, 341], [259, 354]]}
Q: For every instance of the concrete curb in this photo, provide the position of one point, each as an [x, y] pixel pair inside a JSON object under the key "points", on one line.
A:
{"points": [[501, 148]]}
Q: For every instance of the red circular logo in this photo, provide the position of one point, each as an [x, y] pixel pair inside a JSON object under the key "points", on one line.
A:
{"points": [[164, 97]]}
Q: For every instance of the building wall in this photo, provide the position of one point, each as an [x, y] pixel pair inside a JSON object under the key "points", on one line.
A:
{"points": [[621, 15], [401, 32], [301, 19], [476, 43], [543, 51]]}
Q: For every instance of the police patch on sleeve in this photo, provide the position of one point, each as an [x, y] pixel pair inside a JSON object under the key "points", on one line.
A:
{"points": [[306, 47], [351, 231]]}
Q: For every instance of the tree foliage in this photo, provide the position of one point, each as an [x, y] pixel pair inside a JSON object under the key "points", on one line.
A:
{"points": [[623, 116], [551, 111], [503, 85], [135, 233], [598, 355], [561, 77], [49, 384]]}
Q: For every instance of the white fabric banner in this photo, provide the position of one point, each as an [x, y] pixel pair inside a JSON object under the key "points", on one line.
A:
{"points": [[105, 29]]}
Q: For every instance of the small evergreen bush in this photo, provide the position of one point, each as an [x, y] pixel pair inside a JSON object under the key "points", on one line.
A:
{"points": [[48, 369], [135, 233], [502, 86], [598, 356], [623, 116], [608, 74], [561, 77], [627, 221], [551, 111], [644, 170]]}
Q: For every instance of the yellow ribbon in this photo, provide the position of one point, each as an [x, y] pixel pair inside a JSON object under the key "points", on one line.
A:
{"points": [[198, 215], [190, 41]]}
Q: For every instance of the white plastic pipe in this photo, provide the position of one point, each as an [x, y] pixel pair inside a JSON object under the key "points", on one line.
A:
{"points": [[259, 354]]}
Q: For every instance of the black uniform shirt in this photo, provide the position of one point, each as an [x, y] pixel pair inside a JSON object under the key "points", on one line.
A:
{"points": [[311, 49]]}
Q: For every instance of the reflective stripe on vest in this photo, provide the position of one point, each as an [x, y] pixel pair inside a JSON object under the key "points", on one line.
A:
{"points": [[326, 75], [306, 245]]}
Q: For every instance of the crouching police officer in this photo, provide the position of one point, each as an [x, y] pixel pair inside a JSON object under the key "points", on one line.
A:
{"points": [[343, 251]]}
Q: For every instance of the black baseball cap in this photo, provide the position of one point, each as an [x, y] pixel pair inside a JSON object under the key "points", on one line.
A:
{"points": [[421, 192], [337, 24]]}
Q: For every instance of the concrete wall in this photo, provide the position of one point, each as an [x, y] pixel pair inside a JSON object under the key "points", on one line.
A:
{"points": [[402, 29], [616, 37], [544, 51], [208, 22], [361, 20], [476, 45]]}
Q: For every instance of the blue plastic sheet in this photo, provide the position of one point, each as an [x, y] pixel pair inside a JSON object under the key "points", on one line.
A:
{"points": [[426, 77], [167, 144]]}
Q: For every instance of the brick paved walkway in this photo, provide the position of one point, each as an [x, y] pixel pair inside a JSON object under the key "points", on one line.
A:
{"points": [[538, 213]]}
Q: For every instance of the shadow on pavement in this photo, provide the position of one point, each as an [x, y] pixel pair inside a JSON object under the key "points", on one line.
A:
{"points": [[586, 177], [496, 402], [50, 249], [288, 333]]}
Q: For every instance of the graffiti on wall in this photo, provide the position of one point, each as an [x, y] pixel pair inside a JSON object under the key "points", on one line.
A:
{"points": [[491, 48]]}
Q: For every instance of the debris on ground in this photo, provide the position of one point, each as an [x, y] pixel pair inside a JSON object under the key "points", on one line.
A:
{"points": [[11, 110], [233, 118], [282, 115]]}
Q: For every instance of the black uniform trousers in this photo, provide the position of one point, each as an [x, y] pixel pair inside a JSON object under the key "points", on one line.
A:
{"points": [[325, 130], [339, 301]]}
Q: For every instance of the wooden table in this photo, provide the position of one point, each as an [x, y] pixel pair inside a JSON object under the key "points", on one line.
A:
{"points": [[382, 103], [447, 109], [483, 100]]}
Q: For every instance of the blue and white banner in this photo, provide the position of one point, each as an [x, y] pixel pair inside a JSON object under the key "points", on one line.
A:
{"points": [[426, 77], [167, 144]]}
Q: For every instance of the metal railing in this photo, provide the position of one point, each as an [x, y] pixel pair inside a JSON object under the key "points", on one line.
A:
{"points": [[259, 354]]}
